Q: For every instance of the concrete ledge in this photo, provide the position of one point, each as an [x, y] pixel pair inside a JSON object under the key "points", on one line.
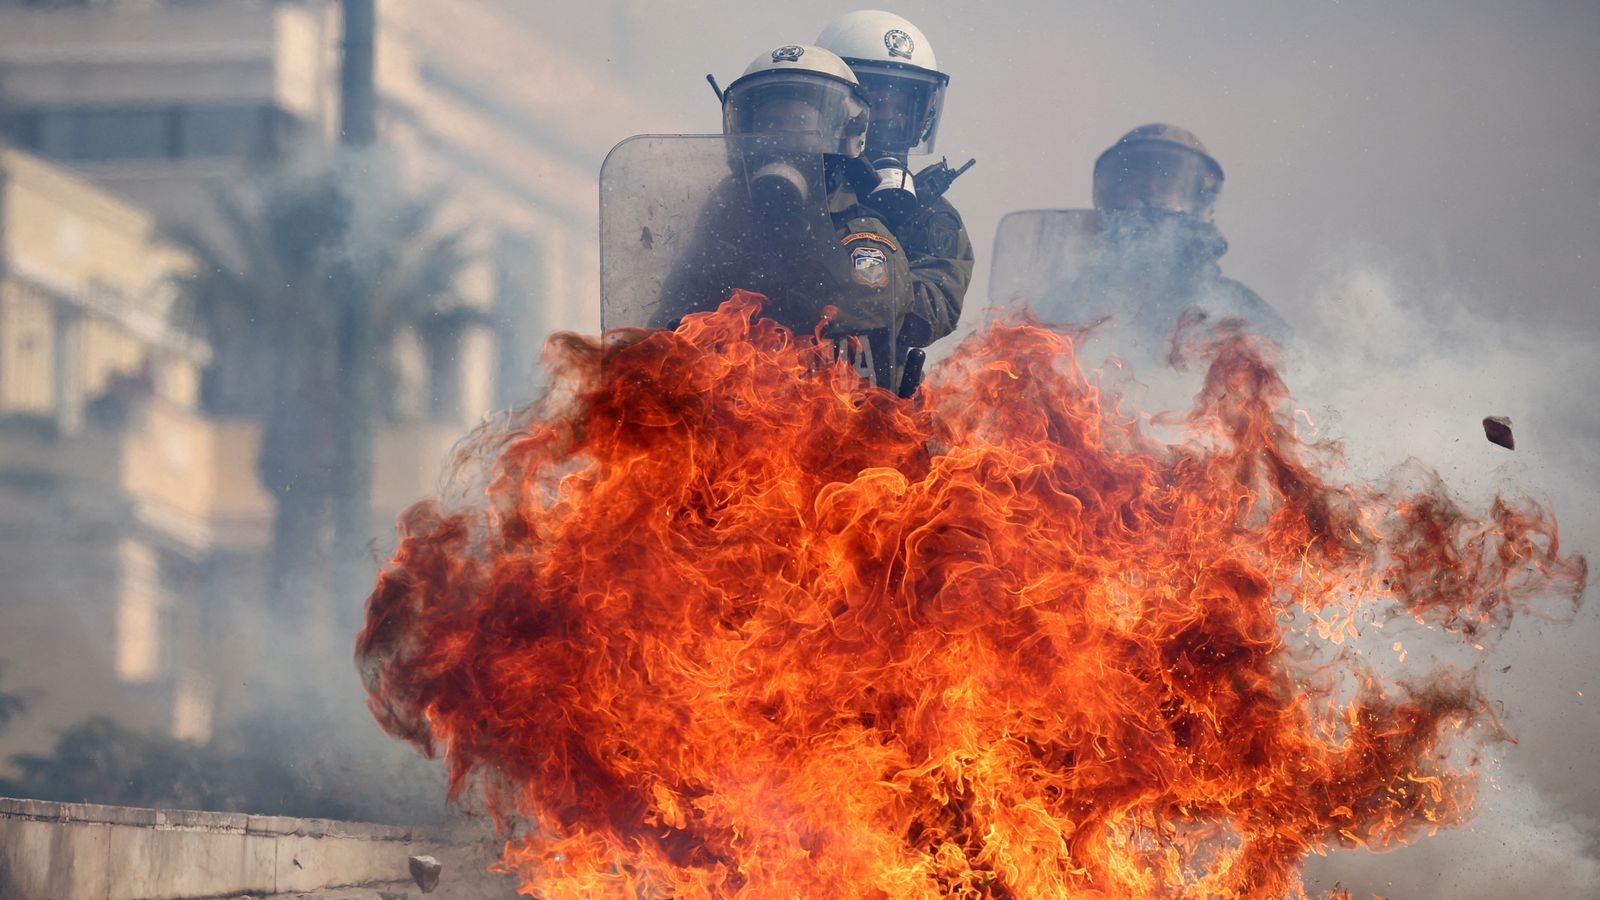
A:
{"points": [[227, 823], [84, 851], [47, 811]]}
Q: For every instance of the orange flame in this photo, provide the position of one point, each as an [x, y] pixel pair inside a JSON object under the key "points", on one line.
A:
{"points": [[729, 622]]}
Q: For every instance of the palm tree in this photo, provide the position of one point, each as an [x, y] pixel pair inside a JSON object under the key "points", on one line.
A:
{"points": [[299, 273]]}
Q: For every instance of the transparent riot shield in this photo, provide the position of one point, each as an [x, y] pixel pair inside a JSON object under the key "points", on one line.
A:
{"points": [[1076, 267], [1038, 254], [699, 215]]}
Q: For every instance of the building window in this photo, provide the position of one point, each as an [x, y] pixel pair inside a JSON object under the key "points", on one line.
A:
{"points": [[148, 133], [20, 128], [111, 134], [56, 134], [224, 131]]}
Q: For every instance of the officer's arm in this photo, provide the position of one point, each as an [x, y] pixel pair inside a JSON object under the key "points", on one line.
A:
{"points": [[940, 257], [865, 274]]}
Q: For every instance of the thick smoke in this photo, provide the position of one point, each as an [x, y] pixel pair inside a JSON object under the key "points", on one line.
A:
{"points": [[1519, 844], [1458, 134], [1400, 369]]}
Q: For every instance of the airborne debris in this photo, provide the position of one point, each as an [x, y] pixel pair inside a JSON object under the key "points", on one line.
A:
{"points": [[425, 872], [1498, 430]]}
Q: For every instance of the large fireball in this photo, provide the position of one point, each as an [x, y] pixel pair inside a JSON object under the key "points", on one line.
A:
{"points": [[724, 621]]}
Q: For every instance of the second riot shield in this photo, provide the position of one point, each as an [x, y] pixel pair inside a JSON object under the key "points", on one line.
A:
{"points": [[1038, 254]]}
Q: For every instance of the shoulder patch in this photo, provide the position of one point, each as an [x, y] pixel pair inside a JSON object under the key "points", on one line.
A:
{"points": [[871, 236], [868, 266]]}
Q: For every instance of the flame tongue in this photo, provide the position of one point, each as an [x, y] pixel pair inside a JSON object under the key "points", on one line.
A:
{"points": [[728, 623]]}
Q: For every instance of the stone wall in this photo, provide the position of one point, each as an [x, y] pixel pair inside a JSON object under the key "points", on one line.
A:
{"points": [[80, 851]]}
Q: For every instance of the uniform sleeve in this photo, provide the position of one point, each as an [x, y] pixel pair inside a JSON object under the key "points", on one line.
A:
{"points": [[940, 258], [862, 269]]}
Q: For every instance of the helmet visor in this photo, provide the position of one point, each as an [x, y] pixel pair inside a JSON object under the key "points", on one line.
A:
{"points": [[1156, 176], [905, 103], [796, 112]]}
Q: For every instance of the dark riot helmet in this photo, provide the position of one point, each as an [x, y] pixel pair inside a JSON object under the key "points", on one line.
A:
{"points": [[1158, 167]]}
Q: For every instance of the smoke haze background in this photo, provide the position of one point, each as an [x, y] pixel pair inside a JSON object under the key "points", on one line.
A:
{"points": [[1411, 186], [1453, 134]]}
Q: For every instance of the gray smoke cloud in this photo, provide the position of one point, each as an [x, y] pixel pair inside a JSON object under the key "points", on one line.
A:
{"points": [[1519, 843], [1411, 186], [1401, 367]]}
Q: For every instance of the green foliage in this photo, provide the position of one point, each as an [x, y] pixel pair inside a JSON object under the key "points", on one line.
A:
{"points": [[101, 761], [299, 758], [258, 769]]}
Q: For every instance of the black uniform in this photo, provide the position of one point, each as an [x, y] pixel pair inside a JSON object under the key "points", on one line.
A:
{"points": [[892, 298], [941, 259]]}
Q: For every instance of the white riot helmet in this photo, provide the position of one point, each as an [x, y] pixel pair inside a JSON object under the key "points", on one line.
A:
{"points": [[802, 96], [898, 73]]}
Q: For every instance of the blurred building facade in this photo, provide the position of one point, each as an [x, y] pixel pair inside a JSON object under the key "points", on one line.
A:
{"points": [[166, 102], [118, 501], [132, 524]]}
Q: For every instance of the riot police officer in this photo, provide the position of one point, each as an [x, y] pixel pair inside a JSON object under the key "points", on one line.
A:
{"points": [[900, 76], [1156, 191], [797, 123]]}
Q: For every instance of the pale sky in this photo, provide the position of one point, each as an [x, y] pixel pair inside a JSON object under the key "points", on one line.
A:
{"points": [[1458, 135]]}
